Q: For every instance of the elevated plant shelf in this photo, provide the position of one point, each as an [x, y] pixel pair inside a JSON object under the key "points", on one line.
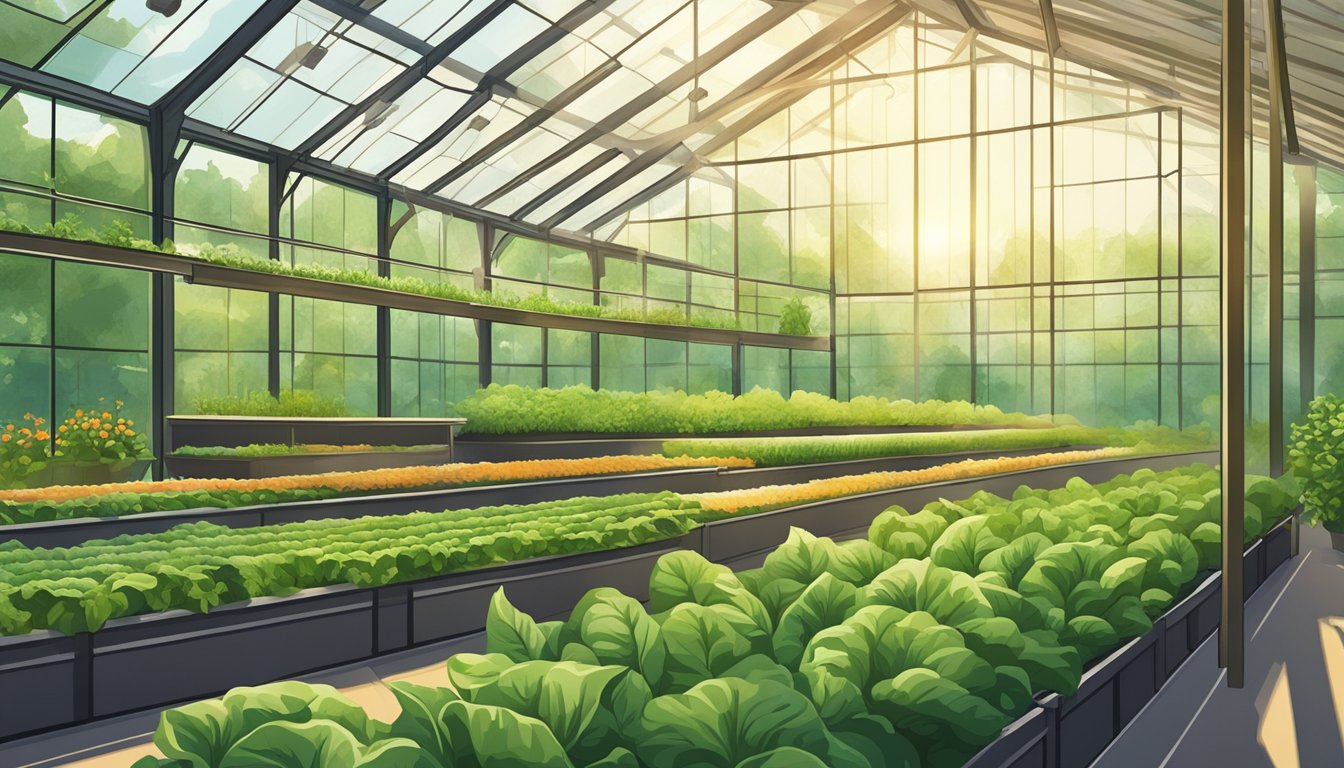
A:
{"points": [[205, 273]]}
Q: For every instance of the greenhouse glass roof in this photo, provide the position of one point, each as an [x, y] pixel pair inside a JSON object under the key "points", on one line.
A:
{"points": [[561, 113]]}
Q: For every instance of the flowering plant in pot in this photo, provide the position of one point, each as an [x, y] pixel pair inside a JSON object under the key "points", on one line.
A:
{"points": [[1316, 455], [91, 446]]}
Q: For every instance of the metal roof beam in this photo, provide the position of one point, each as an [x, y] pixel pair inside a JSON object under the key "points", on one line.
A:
{"points": [[50, 85], [499, 74], [174, 103], [362, 18], [758, 26], [760, 114], [873, 16], [1277, 51], [1050, 26], [403, 82]]}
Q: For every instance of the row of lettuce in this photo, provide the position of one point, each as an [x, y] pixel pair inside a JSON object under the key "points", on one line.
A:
{"points": [[913, 647], [516, 410], [198, 566], [117, 499]]}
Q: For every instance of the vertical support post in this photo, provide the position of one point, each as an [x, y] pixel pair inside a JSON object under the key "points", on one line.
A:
{"points": [[1277, 435], [485, 346], [1306, 297], [383, 316], [1231, 630], [274, 200], [737, 368], [163, 137], [599, 263]]}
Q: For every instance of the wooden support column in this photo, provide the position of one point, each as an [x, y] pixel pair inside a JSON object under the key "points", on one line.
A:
{"points": [[1231, 629]]}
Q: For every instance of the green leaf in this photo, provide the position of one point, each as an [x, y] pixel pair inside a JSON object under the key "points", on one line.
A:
{"points": [[701, 644], [802, 557], [964, 544], [282, 744], [825, 603], [683, 577], [485, 736], [512, 632], [562, 695], [783, 757], [720, 723], [918, 585]]}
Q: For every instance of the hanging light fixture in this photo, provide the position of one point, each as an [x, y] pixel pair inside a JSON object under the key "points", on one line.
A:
{"points": [[165, 7], [379, 112], [307, 55]]}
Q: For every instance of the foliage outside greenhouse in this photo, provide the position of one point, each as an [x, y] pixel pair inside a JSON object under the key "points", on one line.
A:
{"points": [[913, 647]]}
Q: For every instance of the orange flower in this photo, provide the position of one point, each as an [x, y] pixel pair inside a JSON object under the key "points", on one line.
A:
{"points": [[121, 421], [79, 413], [61, 428], [28, 416], [5, 438], [25, 431], [121, 427], [395, 479], [42, 435], [130, 423], [84, 425], [106, 415], [102, 433], [96, 423], [9, 427], [130, 433], [777, 496]]}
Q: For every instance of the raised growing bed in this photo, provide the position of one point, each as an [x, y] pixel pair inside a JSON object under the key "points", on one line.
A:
{"points": [[234, 431], [743, 541], [66, 533], [147, 661], [1071, 731], [316, 463], [579, 445]]}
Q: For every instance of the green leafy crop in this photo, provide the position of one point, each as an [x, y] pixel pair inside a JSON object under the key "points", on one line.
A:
{"points": [[198, 566], [1317, 459], [914, 647], [290, 403], [511, 409]]}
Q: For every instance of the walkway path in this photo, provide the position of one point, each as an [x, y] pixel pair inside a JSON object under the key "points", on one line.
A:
{"points": [[1291, 712]]}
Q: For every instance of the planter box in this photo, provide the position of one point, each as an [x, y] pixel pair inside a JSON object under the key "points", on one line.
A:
{"points": [[233, 431], [303, 463], [160, 659], [1118, 687], [148, 661], [581, 445], [1022, 745], [59, 472], [68, 533], [741, 540], [41, 677]]}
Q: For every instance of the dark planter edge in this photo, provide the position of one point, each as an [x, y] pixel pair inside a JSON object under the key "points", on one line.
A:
{"points": [[177, 626], [1099, 679]]}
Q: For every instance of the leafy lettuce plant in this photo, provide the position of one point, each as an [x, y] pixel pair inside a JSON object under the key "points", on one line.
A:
{"points": [[1314, 455]]}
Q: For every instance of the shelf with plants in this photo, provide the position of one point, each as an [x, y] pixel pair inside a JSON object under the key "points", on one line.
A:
{"points": [[935, 635], [223, 267]]}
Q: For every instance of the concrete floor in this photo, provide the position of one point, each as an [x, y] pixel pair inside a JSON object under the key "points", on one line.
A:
{"points": [[1289, 715]]}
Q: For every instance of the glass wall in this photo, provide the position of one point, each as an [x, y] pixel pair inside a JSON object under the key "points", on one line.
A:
{"points": [[221, 335], [71, 333]]}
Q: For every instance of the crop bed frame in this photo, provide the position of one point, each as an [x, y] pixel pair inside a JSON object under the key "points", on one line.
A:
{"points": [[142, 662], [73, 531]]}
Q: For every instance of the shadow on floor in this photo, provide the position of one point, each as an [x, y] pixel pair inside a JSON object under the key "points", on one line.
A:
{"points": [[1290, 713]]}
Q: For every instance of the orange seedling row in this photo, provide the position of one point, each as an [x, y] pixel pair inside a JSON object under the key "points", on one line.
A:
{"points": [[399, 478]]}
